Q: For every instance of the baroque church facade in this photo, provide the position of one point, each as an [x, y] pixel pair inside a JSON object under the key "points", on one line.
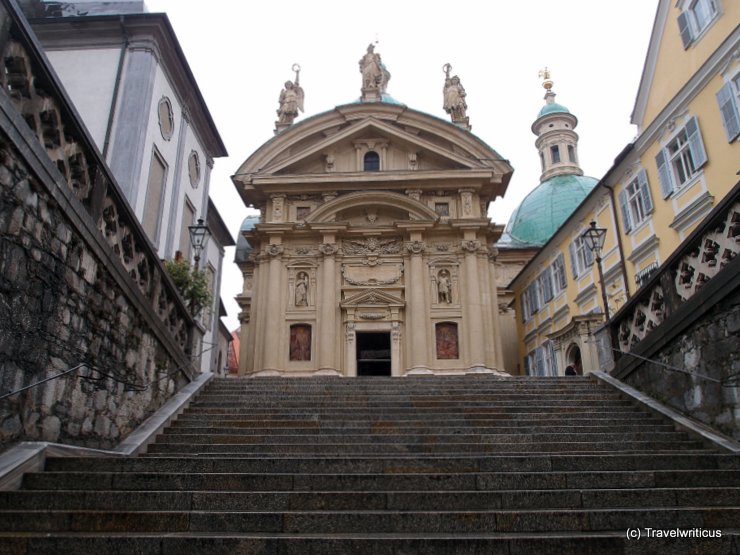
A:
{"points": [[373, 253]]}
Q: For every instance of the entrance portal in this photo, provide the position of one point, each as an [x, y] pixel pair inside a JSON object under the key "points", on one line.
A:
{"points": [[373, 353]]}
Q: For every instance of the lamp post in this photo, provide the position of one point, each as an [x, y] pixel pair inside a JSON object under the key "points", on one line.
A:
{"points": [[199, 235], [594, 239]]}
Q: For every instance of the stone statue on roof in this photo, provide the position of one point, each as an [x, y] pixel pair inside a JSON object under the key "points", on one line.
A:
{"points": [[454, 98], [375, 76], [291, 101]]}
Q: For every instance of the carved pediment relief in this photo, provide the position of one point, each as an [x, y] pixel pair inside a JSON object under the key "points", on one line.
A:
{"points": [[363, 205], [372, 298]]}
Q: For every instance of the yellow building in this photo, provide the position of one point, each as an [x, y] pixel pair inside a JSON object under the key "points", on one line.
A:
{"points": [[683, 162]]}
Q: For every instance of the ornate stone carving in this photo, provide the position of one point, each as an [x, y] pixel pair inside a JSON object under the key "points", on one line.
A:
{"points": [[413, 161], [291, 101], [471, 246], [329, 196], [329, 163], [372, 282], [301, 289], [416, 247], [372, 315], [375, 76], [278, 205], [454, 99], [371, 245], [349, 332], [443, 247], [466, 195], [274, 250], [444, 287], [414, 194], [396, 331], [328, 249]]}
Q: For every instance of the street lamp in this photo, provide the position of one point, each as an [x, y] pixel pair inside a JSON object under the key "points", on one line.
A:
{"points": [[594, 239], [199, 235]]}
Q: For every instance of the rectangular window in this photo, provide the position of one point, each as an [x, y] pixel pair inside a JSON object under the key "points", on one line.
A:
{"points": [[442, 209], [545, 285], [558, 273], [695, 17], [302, 212], [152, 217], [636, 202], [188, 219], [555, 154], [581, 257], [571, 154], [680, 161]]}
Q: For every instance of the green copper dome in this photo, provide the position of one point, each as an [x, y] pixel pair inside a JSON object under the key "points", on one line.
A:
{"points": [[243, 248], [552, 109], [545, 209]]}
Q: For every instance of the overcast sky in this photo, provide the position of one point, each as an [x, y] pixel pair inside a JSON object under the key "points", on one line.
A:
{"points": [[241, 54]]}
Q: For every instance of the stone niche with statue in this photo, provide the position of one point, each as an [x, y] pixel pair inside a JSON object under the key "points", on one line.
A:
{"points": [[373, 254]]}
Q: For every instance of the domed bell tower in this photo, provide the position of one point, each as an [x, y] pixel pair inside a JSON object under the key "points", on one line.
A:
{"points": [[557, 142]]}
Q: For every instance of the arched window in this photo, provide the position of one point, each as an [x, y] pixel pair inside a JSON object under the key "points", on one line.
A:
{"points": [[371, 162], [447, 345], [300, 342]]}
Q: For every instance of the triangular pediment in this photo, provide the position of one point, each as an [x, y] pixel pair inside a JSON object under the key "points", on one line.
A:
{"points": [[371, 297], [334, 142]]}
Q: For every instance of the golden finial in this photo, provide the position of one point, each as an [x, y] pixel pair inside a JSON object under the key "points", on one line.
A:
{"points": [[545, 74]]}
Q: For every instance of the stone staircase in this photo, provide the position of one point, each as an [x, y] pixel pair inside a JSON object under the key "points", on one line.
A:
{"points": [[471, 464]]}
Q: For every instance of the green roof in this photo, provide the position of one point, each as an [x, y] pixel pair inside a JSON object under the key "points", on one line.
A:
{"points": [[243, 248], [552, 109], [547, 207]]}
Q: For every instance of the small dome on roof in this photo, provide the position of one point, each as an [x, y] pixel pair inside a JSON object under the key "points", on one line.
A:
{"points": [[553, 108], [546, 208], [243, 248]]}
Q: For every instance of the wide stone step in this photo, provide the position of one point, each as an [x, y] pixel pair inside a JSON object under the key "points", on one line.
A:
{"points": [[393, 465], [359, 500], [332, 522], [440, 481], [343, 404], [419, 438], [631, 418], [210, 396], [412, 412], [401, 427], [421, 448]]}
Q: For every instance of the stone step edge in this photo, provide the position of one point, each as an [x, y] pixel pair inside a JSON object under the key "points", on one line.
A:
{"points": [[31, 456]]}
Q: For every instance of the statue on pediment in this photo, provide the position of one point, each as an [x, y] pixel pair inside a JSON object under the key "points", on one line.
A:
{"points": [[291, 101], [375, 76], [454, 98]]}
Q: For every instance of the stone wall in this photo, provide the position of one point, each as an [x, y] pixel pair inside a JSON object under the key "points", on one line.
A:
{"points": [[711, 348], [60, 306]]}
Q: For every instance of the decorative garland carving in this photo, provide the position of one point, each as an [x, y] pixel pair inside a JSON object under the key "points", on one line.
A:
{"points": [[328, 249], [274, 250], [371, 245], [372, 315], [416, 247], [372, 282], [471, 246]]}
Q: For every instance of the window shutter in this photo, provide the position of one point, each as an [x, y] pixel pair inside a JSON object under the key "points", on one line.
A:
{"points": [[625, 211], [647, 200], [573, 262], [526, 365], [525, 310], [685, 29], [560, 261], [728, 109], [696, 145], [553, 361], [664, 174]]}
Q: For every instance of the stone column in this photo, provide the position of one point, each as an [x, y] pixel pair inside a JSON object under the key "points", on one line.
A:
{"points": [[328, 332], [472, 305], [417, 330], [271, 353]]}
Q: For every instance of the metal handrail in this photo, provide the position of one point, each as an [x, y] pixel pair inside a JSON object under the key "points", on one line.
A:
{"points": [[724, 383]]}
